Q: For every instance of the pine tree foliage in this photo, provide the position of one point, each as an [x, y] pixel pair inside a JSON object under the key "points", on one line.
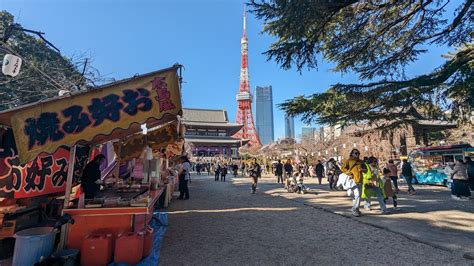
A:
{"points": [[30, 85], [376, 39]]}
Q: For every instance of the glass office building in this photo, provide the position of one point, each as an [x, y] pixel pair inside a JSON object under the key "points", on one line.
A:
{"points": [[289, 127], [264, 114]]}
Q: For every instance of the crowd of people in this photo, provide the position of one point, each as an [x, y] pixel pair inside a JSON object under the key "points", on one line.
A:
{"points": [[369, 178]]}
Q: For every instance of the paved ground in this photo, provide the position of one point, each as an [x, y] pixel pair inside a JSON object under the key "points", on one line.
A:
{"points": [[224, 224], [430, 216]]}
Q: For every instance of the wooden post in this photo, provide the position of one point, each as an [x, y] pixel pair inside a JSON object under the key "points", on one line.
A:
{"points": [[70, 175], [116, 171], [67, 195]]}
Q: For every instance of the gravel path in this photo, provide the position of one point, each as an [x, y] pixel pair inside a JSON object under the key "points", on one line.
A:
{"points": [[223, 224]]}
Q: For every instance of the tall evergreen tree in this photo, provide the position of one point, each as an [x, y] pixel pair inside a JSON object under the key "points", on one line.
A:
{"points": [[44, 71], [376, 39]]}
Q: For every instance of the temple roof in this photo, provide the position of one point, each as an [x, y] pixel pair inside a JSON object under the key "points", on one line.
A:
{"points": [[204, 116], [215, 140]]}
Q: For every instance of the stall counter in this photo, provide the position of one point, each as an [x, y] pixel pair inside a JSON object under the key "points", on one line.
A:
{"points": [[114, 220]]}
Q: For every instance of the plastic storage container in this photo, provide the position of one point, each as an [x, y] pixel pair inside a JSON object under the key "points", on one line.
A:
{"points": [[32, 244], [129, 248], [97, 249], [147, 241]]}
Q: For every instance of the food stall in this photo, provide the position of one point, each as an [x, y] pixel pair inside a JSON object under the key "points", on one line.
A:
{"points": [[429, 162], [115, 112], [129, 199]]}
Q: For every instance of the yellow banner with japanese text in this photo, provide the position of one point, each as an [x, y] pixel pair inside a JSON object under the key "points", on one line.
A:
{"points": [[110, 112]]}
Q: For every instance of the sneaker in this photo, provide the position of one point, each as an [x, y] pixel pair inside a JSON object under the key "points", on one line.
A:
{"points": [[454, 197], [396, 208], [464, 198], [356, 213], [384, 212]]}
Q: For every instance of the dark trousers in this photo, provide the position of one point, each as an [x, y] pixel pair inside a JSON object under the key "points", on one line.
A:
{"points": [[320, 178], [279, 177], [254, 183], [222, 177], [409, 183], [183, 189], [216, 176], [394, 180], [332, 182]]}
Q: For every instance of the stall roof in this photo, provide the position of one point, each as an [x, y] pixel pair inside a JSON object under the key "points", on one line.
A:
{"points": [[109, 112]]}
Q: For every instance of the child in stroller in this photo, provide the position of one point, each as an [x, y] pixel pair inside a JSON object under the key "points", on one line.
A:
{"points": [[297, 185]]}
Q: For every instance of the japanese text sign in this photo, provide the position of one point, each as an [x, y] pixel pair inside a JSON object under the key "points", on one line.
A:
{"points": [[102, 114]]}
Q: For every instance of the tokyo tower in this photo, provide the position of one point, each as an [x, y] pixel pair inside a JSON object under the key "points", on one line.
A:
{"points": [[244, 98]]}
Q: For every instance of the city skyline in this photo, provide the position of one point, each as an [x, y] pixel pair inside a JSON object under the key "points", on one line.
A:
{"points": [[166, 32]]}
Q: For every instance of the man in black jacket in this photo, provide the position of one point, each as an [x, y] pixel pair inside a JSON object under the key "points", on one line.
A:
{"points": [[319, 171], [279, 171]]}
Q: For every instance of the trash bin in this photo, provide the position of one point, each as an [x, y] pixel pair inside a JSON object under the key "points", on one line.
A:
{"points": [[32, 244]]}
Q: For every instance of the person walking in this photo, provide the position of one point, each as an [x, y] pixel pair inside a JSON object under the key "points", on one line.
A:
{"points": [[354, 167], [389, 191], [320, 171], [242, 169], [279, 171], [393, 173], [217, 172], [235, 169], [223, 172], [470, 172], [254, 172], [460, 186], [333, 173], [372, 185], [407, 173], [184, 176], [288, 168]]}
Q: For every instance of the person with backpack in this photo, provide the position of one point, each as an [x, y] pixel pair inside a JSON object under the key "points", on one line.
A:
{"points": [[254, 171], [460, 187]]}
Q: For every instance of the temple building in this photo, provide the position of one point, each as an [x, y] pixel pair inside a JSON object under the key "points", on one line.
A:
{"points": [[209, 133]]}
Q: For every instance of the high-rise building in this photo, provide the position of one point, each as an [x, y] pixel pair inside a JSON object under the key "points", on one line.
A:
{"points": [[308, 134], [264, 113], [289, 127], [244, 99]]}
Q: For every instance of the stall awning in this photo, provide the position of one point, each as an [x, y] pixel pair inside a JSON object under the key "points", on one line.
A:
{"points": [[109, 112], [156, 138]]}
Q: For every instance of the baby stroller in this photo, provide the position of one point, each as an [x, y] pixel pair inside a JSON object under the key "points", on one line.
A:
{"points": [[297, 185]]}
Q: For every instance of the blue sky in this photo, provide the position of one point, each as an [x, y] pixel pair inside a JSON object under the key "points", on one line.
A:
{"points": [[129, 37]]}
